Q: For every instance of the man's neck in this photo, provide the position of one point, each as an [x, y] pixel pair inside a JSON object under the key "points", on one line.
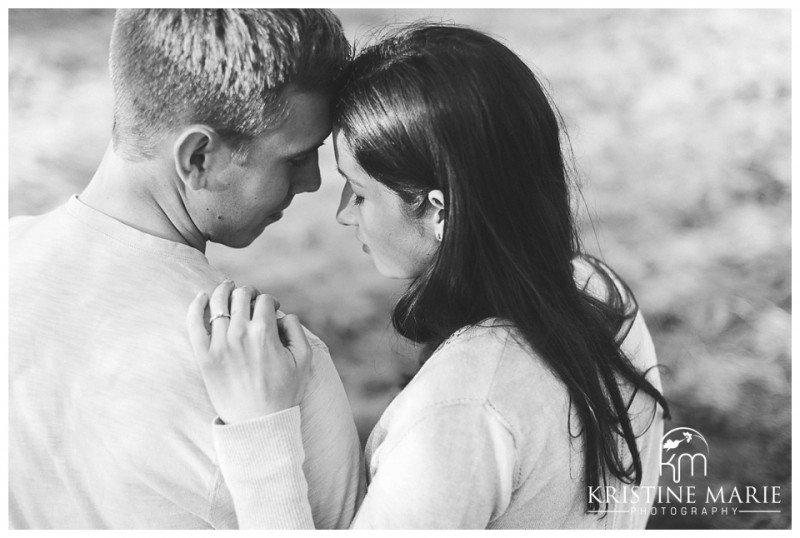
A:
{"points": [[143, 195]]}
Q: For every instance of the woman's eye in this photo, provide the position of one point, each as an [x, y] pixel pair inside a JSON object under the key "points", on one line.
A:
{"points": [[357, 200]]}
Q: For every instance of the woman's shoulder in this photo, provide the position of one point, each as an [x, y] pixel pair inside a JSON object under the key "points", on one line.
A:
{"points": [[488, 334], [598, 279], [488, 363], [484, 371], [601, 282], [462, 367]]}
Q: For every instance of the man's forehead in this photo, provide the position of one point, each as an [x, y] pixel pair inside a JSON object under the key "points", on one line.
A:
{"points": [[307, 124]]}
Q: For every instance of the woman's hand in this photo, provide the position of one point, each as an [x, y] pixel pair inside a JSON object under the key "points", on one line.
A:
{"points": [[252, 366]]}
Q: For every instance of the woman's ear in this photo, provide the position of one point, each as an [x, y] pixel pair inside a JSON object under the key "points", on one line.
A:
{"points": [[436, 199], [194, 152]]}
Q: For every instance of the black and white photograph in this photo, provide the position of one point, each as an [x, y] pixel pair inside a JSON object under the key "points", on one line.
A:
{"points": [[382, 268]]}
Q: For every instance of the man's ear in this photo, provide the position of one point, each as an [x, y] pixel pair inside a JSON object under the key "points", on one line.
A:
{"points": [[196, 152], [436, 199]]}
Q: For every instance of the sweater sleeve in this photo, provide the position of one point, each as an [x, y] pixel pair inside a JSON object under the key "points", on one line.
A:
{"points": [[262, 462], [259, 458], [451, 469]]}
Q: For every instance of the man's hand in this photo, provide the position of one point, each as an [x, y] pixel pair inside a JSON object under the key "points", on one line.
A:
{"points": [[253, 365]]}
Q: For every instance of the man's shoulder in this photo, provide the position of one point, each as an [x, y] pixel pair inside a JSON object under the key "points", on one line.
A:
{"points": [[323, 369], [316, 342], [22, 222], [21, 225]]}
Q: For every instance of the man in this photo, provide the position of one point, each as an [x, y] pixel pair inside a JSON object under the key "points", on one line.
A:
{"points": [[218, 115]]}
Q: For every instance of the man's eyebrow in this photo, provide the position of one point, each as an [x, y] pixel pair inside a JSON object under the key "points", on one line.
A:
{"points": [[303, 152]]}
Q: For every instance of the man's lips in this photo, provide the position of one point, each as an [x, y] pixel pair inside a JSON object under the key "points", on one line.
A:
{"points": [[278, 214], [285, 204]]}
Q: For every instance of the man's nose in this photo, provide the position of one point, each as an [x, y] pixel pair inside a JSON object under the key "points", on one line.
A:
{"points": [[309, 182], [344, 214]]}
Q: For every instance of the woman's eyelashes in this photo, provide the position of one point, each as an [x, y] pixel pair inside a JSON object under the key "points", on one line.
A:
{"points": [[356, 198]]}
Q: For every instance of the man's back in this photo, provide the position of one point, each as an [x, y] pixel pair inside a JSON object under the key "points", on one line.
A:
{"points": [[110, 423]]}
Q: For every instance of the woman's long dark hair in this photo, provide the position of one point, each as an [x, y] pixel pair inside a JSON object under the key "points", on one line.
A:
{"points": [[449, 108]]}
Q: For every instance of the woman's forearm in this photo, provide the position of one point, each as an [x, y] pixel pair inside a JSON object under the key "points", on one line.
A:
{"points": [[262, 463]]}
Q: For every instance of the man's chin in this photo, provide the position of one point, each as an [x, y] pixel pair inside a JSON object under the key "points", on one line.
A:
{"points": [[245, 238], [240, 240]]}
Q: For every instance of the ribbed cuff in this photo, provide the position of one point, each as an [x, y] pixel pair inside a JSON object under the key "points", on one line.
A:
{"points": [[262, 463]]}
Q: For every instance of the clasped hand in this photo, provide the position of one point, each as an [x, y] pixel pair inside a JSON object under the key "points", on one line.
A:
{"points": [[254, 360]]}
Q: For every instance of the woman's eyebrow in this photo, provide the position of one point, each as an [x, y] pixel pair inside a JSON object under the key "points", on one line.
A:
{"points": [[354, 184], [346, 176]]}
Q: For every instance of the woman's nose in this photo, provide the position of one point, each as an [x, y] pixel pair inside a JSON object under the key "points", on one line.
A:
{"points": [[344, 214]]}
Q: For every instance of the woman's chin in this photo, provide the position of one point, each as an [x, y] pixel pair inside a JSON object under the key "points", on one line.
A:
{"points": [[391, 272], [398, 269], [381, 268]]}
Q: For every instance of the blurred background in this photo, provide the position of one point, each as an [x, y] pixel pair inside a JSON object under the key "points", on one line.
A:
{"points": [[680, 122]]}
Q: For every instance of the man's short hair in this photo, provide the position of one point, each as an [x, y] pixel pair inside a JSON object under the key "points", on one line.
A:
{"points": [[225, 68]]}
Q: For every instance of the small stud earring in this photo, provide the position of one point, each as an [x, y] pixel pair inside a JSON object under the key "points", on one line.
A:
{"points": [[439, 235]]}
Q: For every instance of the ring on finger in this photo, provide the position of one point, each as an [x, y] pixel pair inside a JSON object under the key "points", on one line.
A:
{"points": [[214, 318]]}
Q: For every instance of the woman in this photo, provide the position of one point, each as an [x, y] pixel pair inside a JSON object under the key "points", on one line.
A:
{"points": [[538, 391]]}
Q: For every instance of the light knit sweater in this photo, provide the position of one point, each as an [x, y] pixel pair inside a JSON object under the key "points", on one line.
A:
{"points": [[478, 439], [109, 418]]}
